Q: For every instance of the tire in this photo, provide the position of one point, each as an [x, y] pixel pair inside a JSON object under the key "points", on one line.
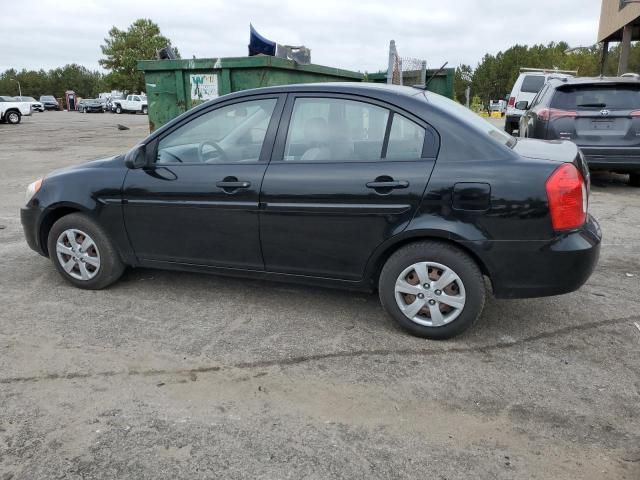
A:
{"points": [[118, 109], [466, 288], [634, 179], [109, 265], [13, 117], [508, 127], [144, 110]]}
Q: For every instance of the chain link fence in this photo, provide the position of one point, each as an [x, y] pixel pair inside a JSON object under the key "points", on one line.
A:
{"points": [[405, 70]]}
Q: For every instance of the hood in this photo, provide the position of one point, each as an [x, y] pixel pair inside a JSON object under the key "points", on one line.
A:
{"points": [[116, 161]]}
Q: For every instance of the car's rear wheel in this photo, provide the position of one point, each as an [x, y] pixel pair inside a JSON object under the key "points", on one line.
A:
{"points": [[634, 179], [13, 117], [82, 252], [432, 289]]}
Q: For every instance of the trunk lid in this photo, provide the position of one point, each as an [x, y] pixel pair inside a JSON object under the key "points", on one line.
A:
{"points": [[559, 151]]}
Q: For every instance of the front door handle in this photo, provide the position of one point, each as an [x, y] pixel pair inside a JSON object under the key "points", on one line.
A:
{"points": [[233, 184], [388, 184]]}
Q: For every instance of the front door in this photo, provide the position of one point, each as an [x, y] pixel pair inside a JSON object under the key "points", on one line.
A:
{"points": [[198, 202], [346, 175]]}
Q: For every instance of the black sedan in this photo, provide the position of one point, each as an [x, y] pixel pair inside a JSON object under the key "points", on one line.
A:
{"points": [[351, 185], [87, 105], [600, 115]]}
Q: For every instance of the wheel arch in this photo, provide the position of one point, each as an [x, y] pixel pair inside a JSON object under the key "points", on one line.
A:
{"points": [[51, 216], [380, 257]]}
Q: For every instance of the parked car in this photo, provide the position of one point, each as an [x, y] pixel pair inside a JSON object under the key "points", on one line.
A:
{"points": [[12, 110], [87, 105], [36, 106], [527, 86], [357, 186], [131, 104], [498, 106], [600, 115], [49, 102]]}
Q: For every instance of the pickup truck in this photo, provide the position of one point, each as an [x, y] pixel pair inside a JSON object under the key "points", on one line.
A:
{"points": [[133, 104], [12, 111]]}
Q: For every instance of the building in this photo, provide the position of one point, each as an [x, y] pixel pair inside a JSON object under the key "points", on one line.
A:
{"points": [[619, 22]]}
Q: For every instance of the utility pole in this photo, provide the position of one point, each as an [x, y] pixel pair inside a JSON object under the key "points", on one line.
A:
{"points": [[19, 88]]}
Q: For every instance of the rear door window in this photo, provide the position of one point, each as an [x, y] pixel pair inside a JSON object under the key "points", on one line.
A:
{"points": [[532, 83], [334, 129], [598, 97], [406, 139]]}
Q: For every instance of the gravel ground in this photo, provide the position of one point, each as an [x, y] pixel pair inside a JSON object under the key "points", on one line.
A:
{"points": [[176, 375]]}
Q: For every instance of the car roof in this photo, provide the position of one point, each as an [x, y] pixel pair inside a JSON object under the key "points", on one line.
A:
{"points": [[594, 81]]}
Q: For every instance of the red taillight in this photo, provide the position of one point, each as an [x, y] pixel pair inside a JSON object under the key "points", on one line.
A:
{"points": [[567, 195], [512, 101], [635, 113], [553, 113]]}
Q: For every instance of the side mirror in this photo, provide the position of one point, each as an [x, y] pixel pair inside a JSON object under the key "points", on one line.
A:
{"points": [[136, 157], [522, 105]]}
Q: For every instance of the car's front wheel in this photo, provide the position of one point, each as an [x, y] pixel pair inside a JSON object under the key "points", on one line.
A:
{"points": [[432, 289], [82, 252], [13, 118], [118, 109], [144, 110]]}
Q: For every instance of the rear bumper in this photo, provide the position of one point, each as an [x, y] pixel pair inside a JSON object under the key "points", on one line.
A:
{"points": [[541, 268], [513, 118], [620, 159]]}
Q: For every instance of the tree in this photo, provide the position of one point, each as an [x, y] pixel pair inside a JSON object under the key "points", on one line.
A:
{"points": [[122, 50], [464, 75], [84, 82]]}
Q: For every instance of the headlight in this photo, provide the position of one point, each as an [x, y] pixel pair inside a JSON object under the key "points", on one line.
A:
{"points": [[32, 189]]}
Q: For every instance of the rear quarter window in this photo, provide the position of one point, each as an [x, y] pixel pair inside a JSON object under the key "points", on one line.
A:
{"points": [[532, 83], [589, 97]]}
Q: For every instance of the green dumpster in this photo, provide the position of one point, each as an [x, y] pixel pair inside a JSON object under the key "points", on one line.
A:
{"points": [[174, 86], [442, 83]]}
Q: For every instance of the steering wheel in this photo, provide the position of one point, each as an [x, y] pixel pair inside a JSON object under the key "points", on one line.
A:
{"points": [[221, 155]]}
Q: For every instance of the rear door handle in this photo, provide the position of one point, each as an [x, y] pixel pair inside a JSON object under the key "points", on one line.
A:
{"points": [[230, 184], [389, 184]]}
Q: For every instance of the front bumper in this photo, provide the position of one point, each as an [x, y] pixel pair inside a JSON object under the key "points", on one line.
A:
{"points": [[541, 268], [29, 217]]}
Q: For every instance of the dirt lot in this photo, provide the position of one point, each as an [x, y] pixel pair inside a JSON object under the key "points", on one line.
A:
{"points": [[176, 375]]}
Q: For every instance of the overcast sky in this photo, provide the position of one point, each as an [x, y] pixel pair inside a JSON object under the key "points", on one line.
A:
{"points": [[341, 33]]}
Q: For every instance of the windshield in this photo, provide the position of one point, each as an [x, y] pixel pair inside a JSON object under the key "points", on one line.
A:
{"points": [[467, 116], [47, 97]]}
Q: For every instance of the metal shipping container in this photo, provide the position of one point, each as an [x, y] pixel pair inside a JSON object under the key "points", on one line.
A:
{"points": [[175, 86]]}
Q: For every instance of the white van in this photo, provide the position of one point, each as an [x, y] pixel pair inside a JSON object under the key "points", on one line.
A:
{"points": [[527, 86]]}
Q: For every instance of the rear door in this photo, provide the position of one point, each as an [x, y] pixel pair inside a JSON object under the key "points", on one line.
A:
{"points": [[597, 115], [346, 174]]}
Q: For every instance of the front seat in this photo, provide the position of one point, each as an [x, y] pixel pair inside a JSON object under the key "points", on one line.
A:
{"points": [[316, 137]]}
